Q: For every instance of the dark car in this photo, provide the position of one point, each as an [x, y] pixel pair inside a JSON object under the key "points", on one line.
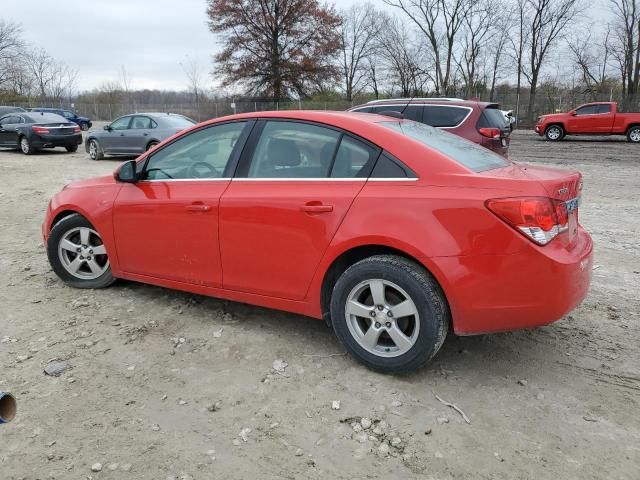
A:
{"points": [[31, 131], [84, 122], [134, 134], [482, 123], [4, 110]]}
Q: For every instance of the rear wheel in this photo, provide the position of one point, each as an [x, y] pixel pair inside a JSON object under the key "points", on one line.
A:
{"points": [[389, 313], [554, 133], [633, 135], [95, 151], [151, 144], [77, 255], [26, 147], [72, 148]]}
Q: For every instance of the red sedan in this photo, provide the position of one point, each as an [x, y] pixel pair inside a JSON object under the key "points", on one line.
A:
{"points": [[390, 230]]}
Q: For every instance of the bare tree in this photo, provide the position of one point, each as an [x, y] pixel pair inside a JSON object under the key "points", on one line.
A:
{"points": [[592, 59], [40, 64], [358, 32], [550, 21], [440, 22], [124, 77], [503, 27], [476, 32], [62, 81], [627, 46], [11, 45], [195, 77]]}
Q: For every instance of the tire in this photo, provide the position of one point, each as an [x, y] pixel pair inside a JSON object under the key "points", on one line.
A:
{"points": [[72, 148], [633, 134], [66, 237], [84, 126], [152, 144], [25, 146], [95, 150], [554, 133], [385, 351]]}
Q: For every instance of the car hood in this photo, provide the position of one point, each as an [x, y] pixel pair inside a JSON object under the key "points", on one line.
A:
{"points": [[91, 182], [551, 117]]}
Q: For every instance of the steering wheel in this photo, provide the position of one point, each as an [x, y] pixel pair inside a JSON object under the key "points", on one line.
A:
{"points": [[195, 173], [159, 170]]}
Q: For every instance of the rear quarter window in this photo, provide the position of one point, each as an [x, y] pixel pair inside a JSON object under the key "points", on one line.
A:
{"points": [[445, 116], [492, 117], [466, 153]]}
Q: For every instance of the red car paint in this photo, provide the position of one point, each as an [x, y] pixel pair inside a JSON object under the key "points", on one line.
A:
{"points": [[271, 242], [606, 120]]}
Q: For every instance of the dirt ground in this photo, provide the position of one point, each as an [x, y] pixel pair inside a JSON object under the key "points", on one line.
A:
{"points": [[167, 385]]}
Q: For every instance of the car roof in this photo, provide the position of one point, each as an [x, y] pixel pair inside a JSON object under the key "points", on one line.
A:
{"points": [[429, 101], [46, 117]]}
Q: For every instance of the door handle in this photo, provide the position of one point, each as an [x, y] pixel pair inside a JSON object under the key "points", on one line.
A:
{"points": [[317, 207], [146, 134], [198, 207]]}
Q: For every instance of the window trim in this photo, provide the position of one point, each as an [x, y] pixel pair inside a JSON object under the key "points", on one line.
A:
{"points": [[597, 105], [227, 174], [469, 111], [130, 117]]}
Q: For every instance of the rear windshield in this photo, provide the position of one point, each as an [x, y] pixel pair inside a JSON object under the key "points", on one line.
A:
{"points": [[469, 154], [177, 121], [492, 118], [46, 117]]}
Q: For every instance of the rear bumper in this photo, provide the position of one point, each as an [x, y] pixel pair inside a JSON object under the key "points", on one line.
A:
{"points": [[534, 287], [46, 141]]}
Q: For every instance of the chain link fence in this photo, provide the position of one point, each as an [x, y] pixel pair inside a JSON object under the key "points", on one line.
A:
{"points": [[545, 103]]}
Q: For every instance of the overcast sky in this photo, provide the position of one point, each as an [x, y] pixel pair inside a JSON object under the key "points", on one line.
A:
{"points": [[149, 37]]}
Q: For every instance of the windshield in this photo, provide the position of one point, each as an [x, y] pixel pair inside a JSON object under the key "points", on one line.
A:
{"points": [[177, 121], [467, 153]]}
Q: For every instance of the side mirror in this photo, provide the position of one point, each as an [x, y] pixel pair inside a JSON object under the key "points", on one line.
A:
{"points": [[127, 172], [572, 113], [107, 128]]}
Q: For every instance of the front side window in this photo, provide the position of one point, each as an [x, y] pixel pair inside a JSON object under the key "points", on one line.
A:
{"points": [[67, 114], [121, 123], [293, 150], [443, 116], [199, 155], [469, 154], [587, 110]]}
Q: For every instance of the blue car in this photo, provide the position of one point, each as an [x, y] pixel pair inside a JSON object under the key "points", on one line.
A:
{"points": [[83, 122]]}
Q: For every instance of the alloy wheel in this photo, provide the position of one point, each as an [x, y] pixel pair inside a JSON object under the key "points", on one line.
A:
{"points": [[553, 133], [634, 135], [93, 150], [24, 145], [83, 254], [382, 318]]}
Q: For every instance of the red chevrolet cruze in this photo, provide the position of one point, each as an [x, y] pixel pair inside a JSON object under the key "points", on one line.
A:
{"points": [[390, 230]]}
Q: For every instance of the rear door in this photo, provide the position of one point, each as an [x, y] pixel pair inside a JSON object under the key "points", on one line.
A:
{"points": [[166, 225], [294, 185], [137, 136], [8, 130], [605, 119]]}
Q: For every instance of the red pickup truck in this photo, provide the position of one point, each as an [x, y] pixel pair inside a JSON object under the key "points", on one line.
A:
{"points": [[599, 118]]}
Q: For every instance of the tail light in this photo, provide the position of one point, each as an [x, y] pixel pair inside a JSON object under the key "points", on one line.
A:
{"points": [[76, 129], [40, 130], [490, 132], [540, 219]]}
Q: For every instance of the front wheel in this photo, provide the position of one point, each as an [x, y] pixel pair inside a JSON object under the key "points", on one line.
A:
{"points": [[633, 135], [554, 133], [389, 313], [78, 255], [84, 126], [151, 144], [95, 152]]}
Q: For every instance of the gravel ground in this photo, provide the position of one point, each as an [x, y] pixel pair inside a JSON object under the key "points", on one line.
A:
{"points": [[167, 385]]}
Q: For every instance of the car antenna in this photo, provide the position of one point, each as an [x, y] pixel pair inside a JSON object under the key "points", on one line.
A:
{"points": [[405, 107]]}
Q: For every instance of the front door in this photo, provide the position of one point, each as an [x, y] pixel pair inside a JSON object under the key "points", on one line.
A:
{"points": [[590, 119], [166, 224], [114, 139], [294, 186]]}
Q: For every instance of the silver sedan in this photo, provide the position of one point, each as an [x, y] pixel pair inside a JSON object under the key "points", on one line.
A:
{"points": [[134, 134]]}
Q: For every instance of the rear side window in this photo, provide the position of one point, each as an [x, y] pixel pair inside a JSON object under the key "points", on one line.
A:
{"points": [[353, 159], [604, 108], [363, 110], [472, 156], [444, 116], [492, 117], [411, 112]]}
